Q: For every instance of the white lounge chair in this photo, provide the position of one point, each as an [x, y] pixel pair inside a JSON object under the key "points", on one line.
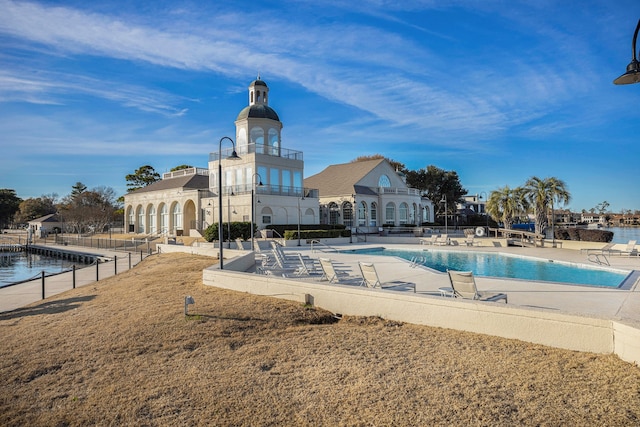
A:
{"points": [[239, 243], [330, 273], [630, 250], [430, 241], [443, 240], [464, 286], [370, 278], [470, 240]]}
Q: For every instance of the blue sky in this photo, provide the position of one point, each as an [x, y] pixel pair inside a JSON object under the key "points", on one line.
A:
{"points": [[498, 91]]}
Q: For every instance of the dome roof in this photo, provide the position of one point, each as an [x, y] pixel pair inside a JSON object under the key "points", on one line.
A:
{"points": [[257, 82], [258, 111]]}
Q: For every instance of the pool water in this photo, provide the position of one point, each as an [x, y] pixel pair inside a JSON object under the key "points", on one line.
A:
{"points": [[503, 265]]}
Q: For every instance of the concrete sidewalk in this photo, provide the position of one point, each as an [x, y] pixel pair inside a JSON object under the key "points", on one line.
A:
{"points": [[16, 296]]}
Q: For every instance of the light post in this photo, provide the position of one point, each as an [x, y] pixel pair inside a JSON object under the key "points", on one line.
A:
{"points": [[299, 215], [553, 221], [486, 214], [633, 69], [253, 185], [233, 156], [446, 226]]}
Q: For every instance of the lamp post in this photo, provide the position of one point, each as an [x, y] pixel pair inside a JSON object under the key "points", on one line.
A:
{"points": [[486, 214], [253, 185], [233, 156], [299, 215], [446, 226], [633, 69]]}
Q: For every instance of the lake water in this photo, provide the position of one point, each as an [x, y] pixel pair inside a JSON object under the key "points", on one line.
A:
{"points": [[19, 266], [624, 234]]}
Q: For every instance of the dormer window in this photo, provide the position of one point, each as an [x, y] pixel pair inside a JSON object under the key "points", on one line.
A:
{"points": [[384, 181]]}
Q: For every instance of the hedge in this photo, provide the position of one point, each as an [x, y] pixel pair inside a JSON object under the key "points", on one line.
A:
{"points": [[316, 234], [584, 234]]}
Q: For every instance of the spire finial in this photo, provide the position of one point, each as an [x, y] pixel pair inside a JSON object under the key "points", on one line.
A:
{"points": [[258, 75]]}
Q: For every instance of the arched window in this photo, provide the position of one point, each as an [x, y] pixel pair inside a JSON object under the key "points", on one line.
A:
{"points": [[176, 214], [132, 219], [390, 214], [403, 213], [384, 181], [164, 218], [362, 214], [347, 214], [257, 136], [151, 215], [334, 213], [140, 219], [426, 214], [274, 143], [373, 215], [266, 213]]}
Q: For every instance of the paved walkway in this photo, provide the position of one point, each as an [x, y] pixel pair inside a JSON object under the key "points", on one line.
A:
{"points": [[16, 296]]}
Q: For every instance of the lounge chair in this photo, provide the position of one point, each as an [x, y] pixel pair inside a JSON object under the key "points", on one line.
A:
{"points": [[443, 240], [330, 273], [371, 280], [464, 286], [470, 240], [239, 243], [630, 250], [430, 241]]}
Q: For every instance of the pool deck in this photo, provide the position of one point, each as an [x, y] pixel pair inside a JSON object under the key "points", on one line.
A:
{"points": [[600, 302]]}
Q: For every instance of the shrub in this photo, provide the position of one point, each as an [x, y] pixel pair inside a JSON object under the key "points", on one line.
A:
{"points": [[584, 234], [238, 229], [316, 234]]}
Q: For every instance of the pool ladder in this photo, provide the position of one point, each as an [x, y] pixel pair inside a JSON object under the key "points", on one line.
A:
{"points": [[417, 260], [600, 259]]}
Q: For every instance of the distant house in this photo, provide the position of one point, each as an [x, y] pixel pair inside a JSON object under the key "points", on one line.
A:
{"points": [[41, 227]]}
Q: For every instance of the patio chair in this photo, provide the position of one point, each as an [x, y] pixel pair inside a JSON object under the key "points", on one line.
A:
{"points": [[464, 286], [330, 273], [443, 240], [430, 241], [470, 240], [239, 243], [630, 250], [371, 280]]}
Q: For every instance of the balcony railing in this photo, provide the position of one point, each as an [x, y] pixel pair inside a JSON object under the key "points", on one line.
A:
{"points": [[396, 190], [271, 190], [185, 172], [268, 150]]}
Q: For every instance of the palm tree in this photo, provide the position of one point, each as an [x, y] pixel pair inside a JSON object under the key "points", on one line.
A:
{"points": [[542, 193], [506, 204]]}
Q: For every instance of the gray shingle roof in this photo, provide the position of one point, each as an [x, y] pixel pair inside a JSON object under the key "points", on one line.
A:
{"points": [[341, 179], [191, 182]]}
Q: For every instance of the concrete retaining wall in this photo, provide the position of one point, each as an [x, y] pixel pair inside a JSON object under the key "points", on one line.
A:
{"points": [[537, 326]]}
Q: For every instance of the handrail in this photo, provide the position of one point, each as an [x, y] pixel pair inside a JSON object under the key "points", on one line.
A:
{"points": [[318, 242]]}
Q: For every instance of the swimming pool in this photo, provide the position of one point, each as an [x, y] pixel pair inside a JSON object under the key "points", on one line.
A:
{"points": [[505, 265]]}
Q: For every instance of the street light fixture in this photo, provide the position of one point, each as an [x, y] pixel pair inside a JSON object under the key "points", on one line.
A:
{"points": [[233, 156], [253, 185], [633, 69]]}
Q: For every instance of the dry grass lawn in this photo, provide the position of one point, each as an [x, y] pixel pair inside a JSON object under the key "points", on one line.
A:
{"points": [[121, 352]]}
